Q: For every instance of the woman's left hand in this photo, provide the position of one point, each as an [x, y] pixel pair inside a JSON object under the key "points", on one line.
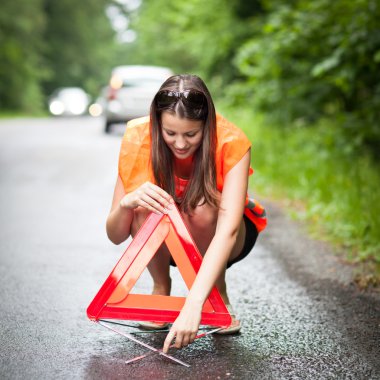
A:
{"points": [[185, 327]]}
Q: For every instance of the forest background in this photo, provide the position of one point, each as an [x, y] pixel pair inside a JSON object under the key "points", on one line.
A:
{"points": [[301, 77]]}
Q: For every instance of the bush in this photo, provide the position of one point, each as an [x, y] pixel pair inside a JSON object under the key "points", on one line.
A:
{"points": [[317, 59], [338, 190]]}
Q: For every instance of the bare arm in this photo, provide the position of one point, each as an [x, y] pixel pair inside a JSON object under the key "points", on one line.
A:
{"points": [[217, 254], [120, 218], [229, 219]]}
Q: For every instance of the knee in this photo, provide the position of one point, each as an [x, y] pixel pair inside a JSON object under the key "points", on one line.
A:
{"points": [[139, 216], [202, 218]]}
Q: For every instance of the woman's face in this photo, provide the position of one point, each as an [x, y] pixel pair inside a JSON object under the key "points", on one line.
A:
{"points": [[183, 136]]}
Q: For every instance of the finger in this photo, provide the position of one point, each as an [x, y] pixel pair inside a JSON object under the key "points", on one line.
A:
{"points": [[178, 340], [168, 341], [153, 204], [156, 200], [185, 340], [167, 197], [147, 206], [192, 337]]}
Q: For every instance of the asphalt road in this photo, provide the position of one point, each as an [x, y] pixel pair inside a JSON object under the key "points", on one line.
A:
{"points": [[302, 318]]}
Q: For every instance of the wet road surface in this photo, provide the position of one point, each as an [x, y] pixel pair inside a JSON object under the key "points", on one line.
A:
{"points": [[302, 318]]}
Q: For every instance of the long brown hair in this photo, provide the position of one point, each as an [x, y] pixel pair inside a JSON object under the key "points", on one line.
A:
{"points": [[201, 188]]}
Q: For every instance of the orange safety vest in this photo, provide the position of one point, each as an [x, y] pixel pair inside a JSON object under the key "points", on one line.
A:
{"points": [[135, 167]]}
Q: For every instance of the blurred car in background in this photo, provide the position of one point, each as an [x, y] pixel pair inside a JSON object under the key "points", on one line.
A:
{"points": [[130, 92], [69, 101]]}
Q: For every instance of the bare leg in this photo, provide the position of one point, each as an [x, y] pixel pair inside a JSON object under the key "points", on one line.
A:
{"points": [[159, 269], [159, 265], [222, 287], [202, 226]]}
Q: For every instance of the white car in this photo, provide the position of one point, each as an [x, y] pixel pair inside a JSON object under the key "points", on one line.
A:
{"points": [[69, 101], [130, 92]]}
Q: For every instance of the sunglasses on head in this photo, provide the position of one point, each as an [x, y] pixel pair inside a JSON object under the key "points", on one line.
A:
{"points": [[191, 98]]}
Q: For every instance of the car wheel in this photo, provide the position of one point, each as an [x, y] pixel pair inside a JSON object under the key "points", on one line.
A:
{"points": [[107, 128]]}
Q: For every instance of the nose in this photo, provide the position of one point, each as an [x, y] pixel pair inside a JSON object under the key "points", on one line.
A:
{"points": [[180, 143]]}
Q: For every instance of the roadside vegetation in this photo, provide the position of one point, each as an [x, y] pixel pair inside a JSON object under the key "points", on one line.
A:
{"points": [[4, 114], [319, 182], [302, 77]]}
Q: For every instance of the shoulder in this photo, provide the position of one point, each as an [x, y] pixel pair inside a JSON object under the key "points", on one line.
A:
{"points": [[137, 130], [139, 122], [134, 157], [136, 139], [227, 131], [232, 145]]}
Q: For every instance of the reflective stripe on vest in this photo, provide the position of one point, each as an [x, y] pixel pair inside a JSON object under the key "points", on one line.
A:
{"points": [[256, 214]]}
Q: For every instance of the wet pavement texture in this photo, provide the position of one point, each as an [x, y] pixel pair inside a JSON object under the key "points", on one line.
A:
{"points": [[302, 317]]}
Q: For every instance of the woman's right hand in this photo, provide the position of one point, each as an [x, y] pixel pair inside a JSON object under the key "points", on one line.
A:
{"points": [[149, 196]]}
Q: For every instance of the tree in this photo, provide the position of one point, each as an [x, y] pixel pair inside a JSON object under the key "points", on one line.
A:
{"points": [[315, 59], [193, 36], [80, 44], [21, 50]]}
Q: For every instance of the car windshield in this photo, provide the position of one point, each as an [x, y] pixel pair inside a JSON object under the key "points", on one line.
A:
{"points": [[72, 92], [142, 82]]}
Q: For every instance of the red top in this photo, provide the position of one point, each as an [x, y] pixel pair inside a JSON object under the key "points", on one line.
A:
{"points": [[180, 186]]}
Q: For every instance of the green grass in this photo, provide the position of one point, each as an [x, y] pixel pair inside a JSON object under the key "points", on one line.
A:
{"points": [[339, 191], [4, 114]]}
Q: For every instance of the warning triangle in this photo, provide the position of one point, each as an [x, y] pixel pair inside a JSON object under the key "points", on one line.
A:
{"points": [[114, 300]]}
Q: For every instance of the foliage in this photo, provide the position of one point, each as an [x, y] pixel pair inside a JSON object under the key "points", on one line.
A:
{"points": [[79, 43], [315, 59], [195, 36], [46, 44], [340, 196], [21, 48]]}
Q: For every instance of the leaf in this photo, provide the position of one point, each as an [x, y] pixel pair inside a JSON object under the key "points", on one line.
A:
{"points": [[325, 66], [376, 57]]}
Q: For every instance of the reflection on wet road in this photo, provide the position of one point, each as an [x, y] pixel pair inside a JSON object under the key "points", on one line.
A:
{"points": [[56, 182]]}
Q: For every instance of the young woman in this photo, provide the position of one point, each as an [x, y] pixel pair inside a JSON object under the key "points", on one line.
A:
{"points": [[185, 153]]}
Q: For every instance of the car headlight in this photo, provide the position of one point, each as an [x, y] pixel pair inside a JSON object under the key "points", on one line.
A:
{"points": [[95, 109], [56, 107]]}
